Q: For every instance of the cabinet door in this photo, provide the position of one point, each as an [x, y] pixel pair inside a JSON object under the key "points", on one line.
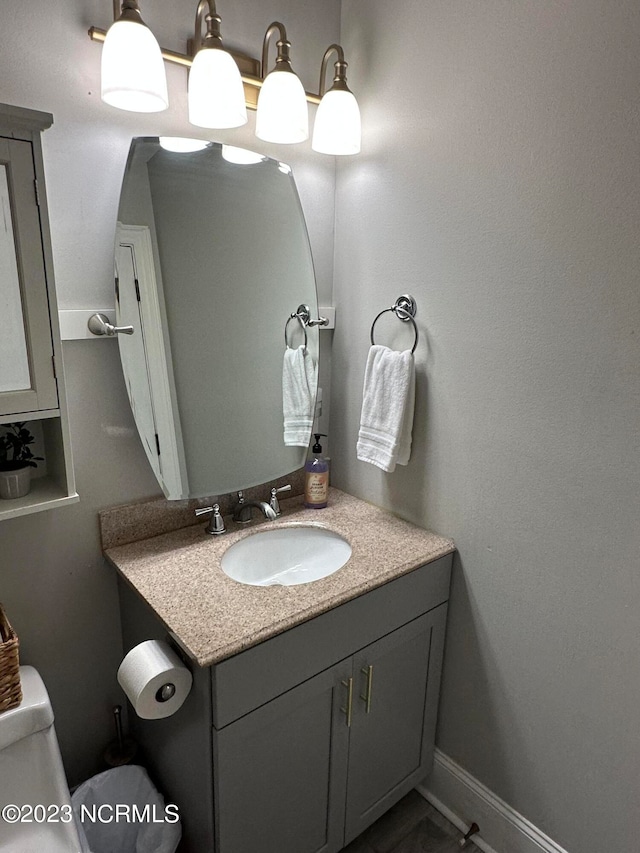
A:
{"points": [[280, 771], [27, 376], [393, 727]]}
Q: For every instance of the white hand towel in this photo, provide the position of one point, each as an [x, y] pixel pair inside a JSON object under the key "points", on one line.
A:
{"points": [[388, 400], [299, 384]]}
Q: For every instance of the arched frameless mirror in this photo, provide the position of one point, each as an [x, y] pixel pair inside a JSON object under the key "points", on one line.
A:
{"points": [[212, 258]]}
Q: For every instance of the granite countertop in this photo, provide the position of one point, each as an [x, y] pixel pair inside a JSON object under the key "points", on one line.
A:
{"points": [[213, 617]]}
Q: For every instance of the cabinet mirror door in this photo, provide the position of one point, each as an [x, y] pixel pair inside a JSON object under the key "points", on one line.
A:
{"points": [[27, 377]]}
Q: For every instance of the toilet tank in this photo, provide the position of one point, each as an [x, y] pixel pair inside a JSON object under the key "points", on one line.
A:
{"points": [[32, 777]]}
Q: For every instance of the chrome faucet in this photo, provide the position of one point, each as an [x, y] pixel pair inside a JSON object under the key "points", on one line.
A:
{"points": [[274, 503], [216, 524], [243, 510]]}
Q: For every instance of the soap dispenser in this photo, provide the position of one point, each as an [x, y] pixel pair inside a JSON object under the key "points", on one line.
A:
{"points": [[316, 477]]}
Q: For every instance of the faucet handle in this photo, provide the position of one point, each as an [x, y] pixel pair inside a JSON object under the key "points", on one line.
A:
{"points": [[216, 524], [286, 488], [274, 503], [203, 510]]}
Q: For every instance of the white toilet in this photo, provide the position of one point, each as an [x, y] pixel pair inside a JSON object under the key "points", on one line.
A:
{"points": [[31, 774]]}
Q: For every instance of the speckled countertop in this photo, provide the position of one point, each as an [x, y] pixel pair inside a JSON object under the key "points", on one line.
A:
{"points": [[214, 617]]}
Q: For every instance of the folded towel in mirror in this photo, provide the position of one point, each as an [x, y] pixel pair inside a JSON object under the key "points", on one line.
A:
{"points": [[299, 384], [388, 399]]}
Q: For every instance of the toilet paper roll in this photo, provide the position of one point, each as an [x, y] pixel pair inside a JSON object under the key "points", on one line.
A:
{"points": [[155, 680]]}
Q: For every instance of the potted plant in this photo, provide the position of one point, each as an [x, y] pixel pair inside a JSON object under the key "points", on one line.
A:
{"points": [[16, 461]]}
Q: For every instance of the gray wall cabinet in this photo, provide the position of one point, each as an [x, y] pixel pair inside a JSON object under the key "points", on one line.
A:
{"points": [[34, 381], [298, 744], [31, 376]]}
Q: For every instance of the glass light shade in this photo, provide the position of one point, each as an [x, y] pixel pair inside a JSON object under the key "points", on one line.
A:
{"points": [[241, 156], [216, 94], [133, 76], [337, 128], [182, 144], [282, 109]]}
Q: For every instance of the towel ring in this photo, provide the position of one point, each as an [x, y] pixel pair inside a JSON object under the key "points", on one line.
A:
{"points": [[405, 309], [303, 326], [303, 315]]}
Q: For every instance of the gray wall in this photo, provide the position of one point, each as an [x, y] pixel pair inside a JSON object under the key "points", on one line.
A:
{"points": [[58, 591], [500, 184]]}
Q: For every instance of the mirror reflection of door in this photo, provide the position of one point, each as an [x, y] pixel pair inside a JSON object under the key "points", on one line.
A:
{"points": [[232, 261], [144, 363]]}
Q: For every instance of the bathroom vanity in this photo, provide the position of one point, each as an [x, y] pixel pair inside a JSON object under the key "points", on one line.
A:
{"points": [[313, 708]]}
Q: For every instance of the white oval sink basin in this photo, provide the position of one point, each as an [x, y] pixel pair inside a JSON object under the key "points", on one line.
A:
{"points": [[286, 556]]}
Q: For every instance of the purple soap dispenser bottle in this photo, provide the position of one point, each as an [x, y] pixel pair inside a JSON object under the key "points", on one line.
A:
{"points": [[316, 477]]}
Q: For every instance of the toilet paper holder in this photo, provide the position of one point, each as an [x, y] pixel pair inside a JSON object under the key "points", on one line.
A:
{"points": [[155, 679], [166, 692]]}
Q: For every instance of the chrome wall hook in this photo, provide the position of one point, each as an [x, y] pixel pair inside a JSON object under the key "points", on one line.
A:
{"points": [[304, 314], [99, 324]]}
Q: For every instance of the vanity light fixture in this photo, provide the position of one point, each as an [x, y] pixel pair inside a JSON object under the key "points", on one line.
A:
{"points": [[133, 76], [282, 103], [133, 79], [216, 95], [337, 128]]}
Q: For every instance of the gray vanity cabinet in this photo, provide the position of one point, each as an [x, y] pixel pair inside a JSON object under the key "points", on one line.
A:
{"points": [[294, 766], [316, 766], [321, 729], [396, 682], [280, 772]]}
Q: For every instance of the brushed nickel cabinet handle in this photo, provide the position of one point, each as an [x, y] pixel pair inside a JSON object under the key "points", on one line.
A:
{"points": [[366, 696], [348, 710]]}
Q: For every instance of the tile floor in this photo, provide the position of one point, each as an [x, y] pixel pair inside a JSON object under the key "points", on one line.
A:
{"points": [[411, 826]]}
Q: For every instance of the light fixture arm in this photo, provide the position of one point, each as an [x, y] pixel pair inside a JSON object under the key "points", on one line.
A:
{"points": [[212, 37], [283, 60], [340, 70]]}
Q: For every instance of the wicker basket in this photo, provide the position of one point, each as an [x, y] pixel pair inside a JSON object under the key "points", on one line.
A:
{"points": [[10, 690]]}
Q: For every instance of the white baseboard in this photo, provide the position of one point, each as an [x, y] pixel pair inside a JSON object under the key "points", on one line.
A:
{"points": [[462, 799]]}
